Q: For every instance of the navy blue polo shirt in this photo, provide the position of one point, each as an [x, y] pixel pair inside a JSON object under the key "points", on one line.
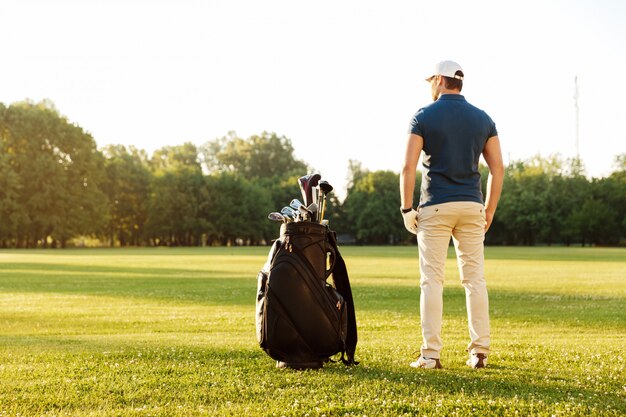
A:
{"points": [[454, 133]]}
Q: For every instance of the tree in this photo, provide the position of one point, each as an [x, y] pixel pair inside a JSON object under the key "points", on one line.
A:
{"points": [[604, 216], [595, 221], [356, 172], [617, 192], [372, 208], [530, 208], [176, 158], [127, 187], [564, 197], [10, 188], [263, 166], [260, 156], [177, 196], [59, 171], [237, 209], [174, 216], [619, 164]]}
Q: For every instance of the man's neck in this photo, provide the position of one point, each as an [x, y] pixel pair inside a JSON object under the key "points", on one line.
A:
{"points": [[446, 91]]}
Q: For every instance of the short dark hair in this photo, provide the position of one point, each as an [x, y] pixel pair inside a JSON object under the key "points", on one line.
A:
{"points": [[454, 83]]}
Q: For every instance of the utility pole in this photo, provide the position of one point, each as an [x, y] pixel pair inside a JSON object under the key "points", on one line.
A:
{"points": [[577, 117]]}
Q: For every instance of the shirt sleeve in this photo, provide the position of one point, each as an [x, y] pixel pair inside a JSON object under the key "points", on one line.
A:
{"points": [[492, 128], [414, 126]]}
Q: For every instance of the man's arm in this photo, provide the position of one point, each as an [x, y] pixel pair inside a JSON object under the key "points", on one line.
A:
{"points": [[414, 146], [493, 156]]}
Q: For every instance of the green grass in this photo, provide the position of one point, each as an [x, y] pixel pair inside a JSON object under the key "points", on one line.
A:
{"points": [[170, 332]]}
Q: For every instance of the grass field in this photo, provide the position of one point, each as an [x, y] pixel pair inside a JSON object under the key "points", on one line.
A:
{"points": [[170, 332]]}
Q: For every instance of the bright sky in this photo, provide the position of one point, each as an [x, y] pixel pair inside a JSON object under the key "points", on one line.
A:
{"points": [[341, 79]]}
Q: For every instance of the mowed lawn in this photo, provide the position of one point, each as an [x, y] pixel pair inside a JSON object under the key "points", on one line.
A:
{"points": [[170, 332]]}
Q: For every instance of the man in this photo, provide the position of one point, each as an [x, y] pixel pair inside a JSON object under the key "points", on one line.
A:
{"points": [[452, 135]]}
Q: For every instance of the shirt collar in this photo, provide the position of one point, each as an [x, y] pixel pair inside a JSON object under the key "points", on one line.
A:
{"points": [[451, 97]]}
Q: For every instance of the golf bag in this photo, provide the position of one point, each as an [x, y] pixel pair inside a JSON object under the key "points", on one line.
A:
{"points": [[301, 319]]}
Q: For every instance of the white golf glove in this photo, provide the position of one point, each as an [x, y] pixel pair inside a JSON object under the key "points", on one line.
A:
{"points": [[410, 221]]}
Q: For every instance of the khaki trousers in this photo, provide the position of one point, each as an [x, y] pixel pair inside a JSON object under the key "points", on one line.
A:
{"points": [[465, 223]]}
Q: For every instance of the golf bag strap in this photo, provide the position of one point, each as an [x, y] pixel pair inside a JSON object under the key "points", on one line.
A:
{"points": [[342, 285]]}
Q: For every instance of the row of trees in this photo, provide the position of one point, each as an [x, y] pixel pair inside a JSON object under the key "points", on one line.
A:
{"points": [[545, 201], [58, 189], [548, 201]]}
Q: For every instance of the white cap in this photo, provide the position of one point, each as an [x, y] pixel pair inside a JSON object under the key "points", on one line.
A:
{"points": [[447, 69]]}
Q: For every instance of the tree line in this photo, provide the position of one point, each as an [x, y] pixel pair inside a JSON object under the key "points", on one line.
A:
{"points": [[57, 189]]}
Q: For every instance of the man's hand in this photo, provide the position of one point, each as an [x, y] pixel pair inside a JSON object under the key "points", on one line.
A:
{"points": [[410, 221], [488, 220]]}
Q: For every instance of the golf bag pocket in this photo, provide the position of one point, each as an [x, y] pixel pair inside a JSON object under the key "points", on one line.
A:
{"points": [[260, 304], [261, 288]]}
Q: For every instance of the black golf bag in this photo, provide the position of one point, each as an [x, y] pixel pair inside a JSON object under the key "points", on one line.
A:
{"points": [[301, 319]]}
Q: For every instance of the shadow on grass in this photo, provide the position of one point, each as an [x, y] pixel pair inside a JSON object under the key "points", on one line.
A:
{"points": [[497, 382], [507, 386], [535, 253], [196, 286], [236, 286], [220, 286], [115, 271], [518, 306]]}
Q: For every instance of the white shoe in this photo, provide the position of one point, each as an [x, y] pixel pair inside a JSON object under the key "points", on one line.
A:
{"points": [[477, 360], [426, 363]]}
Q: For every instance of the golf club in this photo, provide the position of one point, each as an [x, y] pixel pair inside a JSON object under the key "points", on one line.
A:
{"points": [[314, 191], [313, 209], [289, 213], [302, 181], [313, 181], [295, 204], [305, 214], [325, 188], [276, 217], [306, 186]]}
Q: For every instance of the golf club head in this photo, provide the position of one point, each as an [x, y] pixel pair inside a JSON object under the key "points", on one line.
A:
{"points": [[307, 183], [315, 178], [305, 214], [313, 181], [325, 186], [276, 217], [295, 204], [303, 182], [313, 209], [288, 212]]}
